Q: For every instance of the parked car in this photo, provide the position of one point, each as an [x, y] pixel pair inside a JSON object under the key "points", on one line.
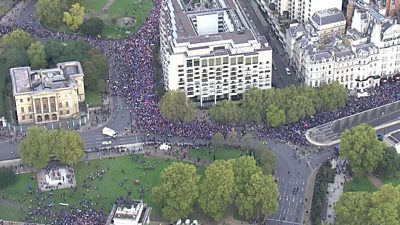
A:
{"points": [[287, 71], [106, 143]]}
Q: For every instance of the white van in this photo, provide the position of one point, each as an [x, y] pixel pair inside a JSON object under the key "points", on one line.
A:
{"points": [[287, 71]]}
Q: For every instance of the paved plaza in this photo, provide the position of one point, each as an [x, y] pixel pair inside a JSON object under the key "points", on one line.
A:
{"points": [[56, 177]]}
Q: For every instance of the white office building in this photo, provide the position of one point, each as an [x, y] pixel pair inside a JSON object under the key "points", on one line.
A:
{"points": [[301, 10], [211, 51]]}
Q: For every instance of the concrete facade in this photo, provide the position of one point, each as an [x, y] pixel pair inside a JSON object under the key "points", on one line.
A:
{"points": [[211, 51], [47, 95]]}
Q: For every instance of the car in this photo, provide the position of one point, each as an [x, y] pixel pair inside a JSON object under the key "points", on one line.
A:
{"points": [[106, 143], [295, 190], [287, 71], [275, 68]]}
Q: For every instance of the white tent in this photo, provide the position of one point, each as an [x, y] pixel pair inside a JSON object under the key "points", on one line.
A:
{"points": [[165, 147]]}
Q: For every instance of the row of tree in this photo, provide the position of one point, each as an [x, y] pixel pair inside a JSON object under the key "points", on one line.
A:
{"points": [[362, 208], [40, 146], [279, 106], [239, 182], [366, 154]]}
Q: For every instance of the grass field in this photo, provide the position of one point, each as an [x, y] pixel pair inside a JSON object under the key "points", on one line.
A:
{"points": [[108, 188], [139, 9], [359, 184], [394, 181], [220, 153], [5, 5], [94, 99]]}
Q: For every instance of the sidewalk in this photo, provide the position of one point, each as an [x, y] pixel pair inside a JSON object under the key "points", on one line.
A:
{"points": [[309, 197]]}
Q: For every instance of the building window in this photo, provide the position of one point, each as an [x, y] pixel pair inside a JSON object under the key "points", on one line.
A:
{"points": [[66, 104], [23, 117], [61, 112], [67, 111], [30, 117], [21, 100], [29, 108], [28, 99], [60, 105], [22, 109]]}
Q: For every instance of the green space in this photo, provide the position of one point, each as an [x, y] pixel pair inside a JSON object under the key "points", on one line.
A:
{"points": [[394, 181], [219, 152], [108, 187], [5, 91], [94, 99], [137, 9], [5, 5], [359, 184]]}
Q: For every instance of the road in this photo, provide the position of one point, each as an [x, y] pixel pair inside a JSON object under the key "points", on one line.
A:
{"points": [[279, 77]]}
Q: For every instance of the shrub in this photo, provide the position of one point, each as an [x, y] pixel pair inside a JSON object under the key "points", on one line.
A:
{"points": [[93, 26], [7, 177]]}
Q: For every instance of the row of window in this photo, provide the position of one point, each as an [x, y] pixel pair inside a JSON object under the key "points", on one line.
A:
{"points": [[23, 117]]}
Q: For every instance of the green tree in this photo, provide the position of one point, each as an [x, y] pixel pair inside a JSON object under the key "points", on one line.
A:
{"points": [[58, 51], [37, 55], [35, 148], [389, 165], [325, 93], [248, 142], [96, 71], [275, 116], [243, 168], [217, 189], [361, 147], [385, 206], [178, 191], [226, 112], [18, 38], [49, 12], [93, 26], [352, 208], [74, 18], [266, 158], [15, 57], [260, 198], [69, 146], [218, 139], [7, 177], [176, 107], [232, 139]]}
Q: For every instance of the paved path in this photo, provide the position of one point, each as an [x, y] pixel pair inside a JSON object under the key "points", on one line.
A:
{"points": [[375, 181]]}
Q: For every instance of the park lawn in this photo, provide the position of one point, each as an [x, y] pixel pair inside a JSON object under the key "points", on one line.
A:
{"points": [[108, 188], [220, 153], [94, 99], [5, 5], [360, 184], [93, 5], [394, 181]]}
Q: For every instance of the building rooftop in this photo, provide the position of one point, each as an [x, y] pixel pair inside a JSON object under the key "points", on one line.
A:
{"points": [[131, 212], [199, 21], [25, 80], [328, 16]]}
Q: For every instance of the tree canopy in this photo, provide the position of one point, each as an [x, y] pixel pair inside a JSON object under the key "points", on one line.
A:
{"points": [[40, 144], [14, 47], [37, 55], [362, 208], [74, 18], [7, 177], [178, 191], [217, 189], [389, 166], [176, 107], [361, 147], [93, 26], [49, 12], [226, 112]]}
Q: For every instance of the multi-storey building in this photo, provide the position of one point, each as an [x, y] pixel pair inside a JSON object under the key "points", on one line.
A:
{"points": [[349, 59], [211, 51], [47, 95], [328, 23], [301, 10]]}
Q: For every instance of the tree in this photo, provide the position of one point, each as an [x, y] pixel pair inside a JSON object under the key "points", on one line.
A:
{"points": [[226, 112], [37, 55], [217, 139], [275, 116], [18, 38], [266, 158], [58, 51], [217, 189], [176, 107], [260, 198], [35, 148], [49, 12], [69, 146], [232, 139], [361, 147], [248, 142], [243, 168], [7, 177], [352, 208], [178, 191], [325, 93], [74, 18], [93, 26], [15, 57], [96, 71], [389, 165]]}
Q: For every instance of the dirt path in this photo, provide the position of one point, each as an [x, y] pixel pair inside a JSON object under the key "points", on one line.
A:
{"points": [[107, 5], [375, 181]]}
